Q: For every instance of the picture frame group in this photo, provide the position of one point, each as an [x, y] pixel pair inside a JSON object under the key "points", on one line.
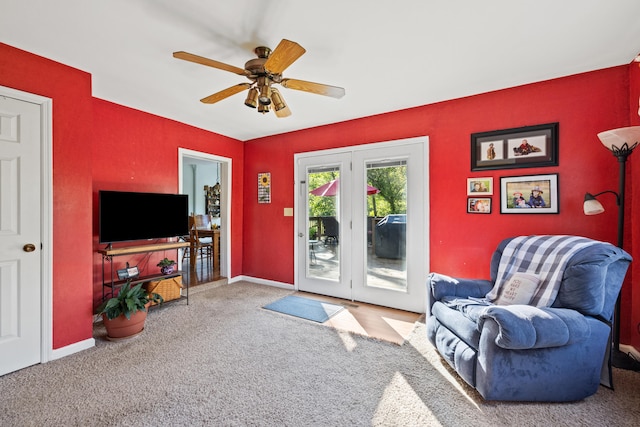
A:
{"points": [[530, 146]]}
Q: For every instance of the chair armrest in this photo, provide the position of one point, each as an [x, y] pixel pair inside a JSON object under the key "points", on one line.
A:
{"points": [[441, 286], [525, 327]]}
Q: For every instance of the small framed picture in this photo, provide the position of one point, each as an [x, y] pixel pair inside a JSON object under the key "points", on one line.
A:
{"points": [[480, 186], [530, 194], [479, 205], [525, 147], [264, 187]]}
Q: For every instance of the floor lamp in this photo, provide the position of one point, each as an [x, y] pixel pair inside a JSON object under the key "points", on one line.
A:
{"points": [[617, 141]]}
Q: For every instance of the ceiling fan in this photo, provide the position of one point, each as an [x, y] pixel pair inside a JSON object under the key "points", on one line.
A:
{"points": [[264, 72]]}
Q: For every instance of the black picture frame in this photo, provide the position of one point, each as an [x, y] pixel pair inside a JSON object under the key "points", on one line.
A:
{"points": [[479, 205], [506, 149], [529, 194]]}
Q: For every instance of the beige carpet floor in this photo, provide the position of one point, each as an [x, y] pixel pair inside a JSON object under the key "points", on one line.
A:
{"points": [[224, 361]]}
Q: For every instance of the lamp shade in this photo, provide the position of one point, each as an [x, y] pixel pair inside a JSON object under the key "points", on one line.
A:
{"points": [[591, 206], [615, 139]]}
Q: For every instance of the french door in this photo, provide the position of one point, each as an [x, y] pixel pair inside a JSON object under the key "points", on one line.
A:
{"points": [[361, 221]]}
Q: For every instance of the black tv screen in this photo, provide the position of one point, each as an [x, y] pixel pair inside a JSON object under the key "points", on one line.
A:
{"points": [[126, 216]]}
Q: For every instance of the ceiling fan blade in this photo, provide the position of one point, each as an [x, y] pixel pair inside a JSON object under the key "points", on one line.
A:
{"points": [[209, 62], [317, 88], [277, 98], [219, 96], [285, 112], [283, 55]]}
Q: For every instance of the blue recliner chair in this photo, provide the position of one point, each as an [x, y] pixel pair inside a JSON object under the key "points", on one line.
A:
{"points": [[539, 330]]}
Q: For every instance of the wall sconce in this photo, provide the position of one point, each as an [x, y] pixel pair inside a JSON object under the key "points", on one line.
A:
{"points": [[617, 141]]}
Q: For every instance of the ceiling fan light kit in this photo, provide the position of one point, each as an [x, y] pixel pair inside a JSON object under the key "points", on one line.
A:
{"points": [[263, 72], [252, 98]]}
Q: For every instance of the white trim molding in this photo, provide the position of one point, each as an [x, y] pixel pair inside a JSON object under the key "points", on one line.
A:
{"points": [[259, 281], [76, 347]]}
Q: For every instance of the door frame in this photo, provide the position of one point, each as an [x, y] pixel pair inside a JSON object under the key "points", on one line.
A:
{"points": [[46, 215], [425, 188], [225, 200]]}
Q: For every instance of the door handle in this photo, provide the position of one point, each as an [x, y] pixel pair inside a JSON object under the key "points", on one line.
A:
{"points": [[29, 247], [300, 235]]}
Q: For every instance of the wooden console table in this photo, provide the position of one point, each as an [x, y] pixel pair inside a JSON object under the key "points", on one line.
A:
{"points": [[109, 253]]}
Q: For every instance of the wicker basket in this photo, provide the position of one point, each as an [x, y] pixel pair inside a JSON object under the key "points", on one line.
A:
{"points": [[168, 289]]}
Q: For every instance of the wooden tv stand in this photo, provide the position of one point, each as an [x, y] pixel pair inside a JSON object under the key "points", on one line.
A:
{"points": [[108, 254]]}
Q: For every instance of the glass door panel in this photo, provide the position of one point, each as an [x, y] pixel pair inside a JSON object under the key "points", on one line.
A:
{"points": [[323, 260], [386, 223]]}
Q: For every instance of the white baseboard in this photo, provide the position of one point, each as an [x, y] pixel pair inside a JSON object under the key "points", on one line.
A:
{"points": [[72, 348], [262, 282], [630, 349]]}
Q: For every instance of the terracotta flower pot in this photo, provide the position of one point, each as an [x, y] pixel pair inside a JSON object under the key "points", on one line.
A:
{"points": [[121, 327]]}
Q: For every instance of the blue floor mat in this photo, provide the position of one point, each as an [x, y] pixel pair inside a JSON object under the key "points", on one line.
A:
{"points": [[306, 308]]}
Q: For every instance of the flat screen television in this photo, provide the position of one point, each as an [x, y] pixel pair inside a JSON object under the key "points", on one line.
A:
{"points": [[125, 216]]}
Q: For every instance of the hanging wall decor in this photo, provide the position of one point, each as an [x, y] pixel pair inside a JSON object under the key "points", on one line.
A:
{"points": [[264, 187], [530, 194], [525, 147]]}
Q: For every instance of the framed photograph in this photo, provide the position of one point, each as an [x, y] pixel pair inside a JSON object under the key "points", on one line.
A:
{"points": [[479, 205], [531, 194], [525, 147], [480, 186], [264, 187]]}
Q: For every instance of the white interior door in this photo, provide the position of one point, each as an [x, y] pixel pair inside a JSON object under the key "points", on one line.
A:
{"points": [[20, 234], [369, 258]]}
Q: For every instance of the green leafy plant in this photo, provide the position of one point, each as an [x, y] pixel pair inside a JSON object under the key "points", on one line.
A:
{"points": [[166, 262], [128, 301]]}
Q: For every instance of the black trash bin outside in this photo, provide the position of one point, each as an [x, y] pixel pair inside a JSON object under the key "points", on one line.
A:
{"points": [[391, 237]]}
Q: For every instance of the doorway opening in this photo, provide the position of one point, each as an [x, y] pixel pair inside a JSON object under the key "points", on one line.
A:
{"points": [[205, 178]]}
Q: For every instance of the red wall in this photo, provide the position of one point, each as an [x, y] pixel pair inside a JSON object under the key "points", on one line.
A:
{"points": [[137, 151], [98, 144], [70, 90], [461, 244]]}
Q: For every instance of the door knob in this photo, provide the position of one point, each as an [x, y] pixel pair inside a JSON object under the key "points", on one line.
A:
{"points": [[29, 247]]}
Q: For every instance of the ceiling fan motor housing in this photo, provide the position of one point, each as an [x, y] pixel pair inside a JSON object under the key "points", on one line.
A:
{"points": [[255, 67]]}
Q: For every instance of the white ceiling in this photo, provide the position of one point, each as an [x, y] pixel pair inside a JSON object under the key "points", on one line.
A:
{"points": [[388, 55]]}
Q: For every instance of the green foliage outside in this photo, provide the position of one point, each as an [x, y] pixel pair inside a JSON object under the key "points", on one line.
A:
{"points": [[392, 198], [321, 205]]}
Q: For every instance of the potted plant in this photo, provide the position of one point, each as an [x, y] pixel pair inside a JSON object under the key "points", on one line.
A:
{"points": [[166, 266], [124, 314]]}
